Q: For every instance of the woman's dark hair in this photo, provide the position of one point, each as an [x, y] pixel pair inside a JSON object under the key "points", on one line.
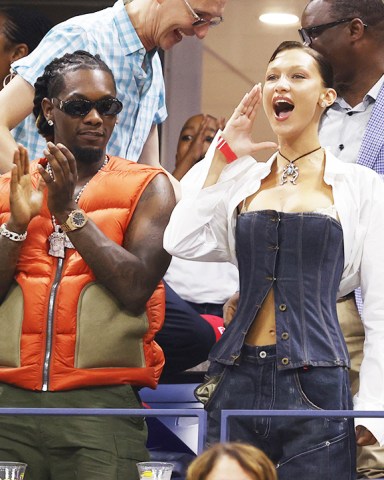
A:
{"points": [[51, 83], [325, 68], [23, 25]]}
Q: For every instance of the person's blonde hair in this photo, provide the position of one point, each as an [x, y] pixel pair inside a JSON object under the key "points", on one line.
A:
{"points": [[251, 459]]}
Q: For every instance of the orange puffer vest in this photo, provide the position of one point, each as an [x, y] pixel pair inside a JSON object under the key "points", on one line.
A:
{"points": [[61, 330]]}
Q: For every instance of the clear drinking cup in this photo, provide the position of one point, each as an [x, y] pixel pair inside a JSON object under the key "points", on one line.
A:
{"points": [[12, 470], [155, 470]]}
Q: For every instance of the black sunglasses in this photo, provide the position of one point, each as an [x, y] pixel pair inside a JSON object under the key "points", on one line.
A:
{"points": [[81, 107], [308, 34]]}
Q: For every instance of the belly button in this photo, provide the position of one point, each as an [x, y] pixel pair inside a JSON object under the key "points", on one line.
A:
{"points": [[272, 332]]}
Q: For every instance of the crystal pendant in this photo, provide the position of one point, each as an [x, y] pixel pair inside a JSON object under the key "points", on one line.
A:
{"points": [[57, 243], [67, 242], [290, 170]]}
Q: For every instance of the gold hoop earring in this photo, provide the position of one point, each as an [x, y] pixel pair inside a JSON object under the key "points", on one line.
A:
{"points": [[8, 78]]}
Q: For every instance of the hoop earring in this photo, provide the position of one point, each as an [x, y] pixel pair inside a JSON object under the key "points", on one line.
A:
{"points": [[8, 78]]}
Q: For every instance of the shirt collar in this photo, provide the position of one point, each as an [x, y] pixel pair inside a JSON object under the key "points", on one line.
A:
{"points": [[128, 38], [333, 167], [374, 91], [368, 97]]}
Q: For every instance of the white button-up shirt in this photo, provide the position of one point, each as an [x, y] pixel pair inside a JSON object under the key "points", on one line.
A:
{"points": [[202, 227]]}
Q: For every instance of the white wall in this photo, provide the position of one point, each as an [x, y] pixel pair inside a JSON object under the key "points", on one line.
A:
{"points": [[183, 74]]}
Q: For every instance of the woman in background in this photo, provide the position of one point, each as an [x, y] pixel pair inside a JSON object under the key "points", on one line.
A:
{"points": [[21, 30], [232, 461]]}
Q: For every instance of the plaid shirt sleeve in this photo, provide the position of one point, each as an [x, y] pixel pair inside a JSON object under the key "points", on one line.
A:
{"points": [[60, 40]]}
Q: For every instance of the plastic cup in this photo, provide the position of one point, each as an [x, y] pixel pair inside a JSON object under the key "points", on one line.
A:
{"points": [[155, 470], [12, 470]]}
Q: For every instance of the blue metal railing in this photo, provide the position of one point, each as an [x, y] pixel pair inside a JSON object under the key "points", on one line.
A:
{"points": [[193, 412], [225, 414], [134, 412]]}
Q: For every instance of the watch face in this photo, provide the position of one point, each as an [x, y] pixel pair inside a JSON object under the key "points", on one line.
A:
{"points": [[78, 219]]}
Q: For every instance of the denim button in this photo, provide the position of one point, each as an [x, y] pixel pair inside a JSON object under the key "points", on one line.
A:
{"points": [[285, 361], [285, 335], [262, 354], [283, 307], [272, 279]]}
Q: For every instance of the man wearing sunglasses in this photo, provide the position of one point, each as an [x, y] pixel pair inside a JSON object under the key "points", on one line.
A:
{"points": [[350, 33], [126, 36], [81, 258]]}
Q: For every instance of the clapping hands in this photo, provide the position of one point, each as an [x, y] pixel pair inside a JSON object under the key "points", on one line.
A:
{"points": [[25, 199]]}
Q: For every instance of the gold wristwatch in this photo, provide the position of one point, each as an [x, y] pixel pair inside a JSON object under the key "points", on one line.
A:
{"points": [[76, 219]]}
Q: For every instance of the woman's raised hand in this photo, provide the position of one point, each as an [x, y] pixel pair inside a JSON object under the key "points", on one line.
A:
{"points": [[238, 130]]}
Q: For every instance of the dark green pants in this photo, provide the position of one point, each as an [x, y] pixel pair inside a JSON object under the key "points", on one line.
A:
{"points": [[74, 447]]}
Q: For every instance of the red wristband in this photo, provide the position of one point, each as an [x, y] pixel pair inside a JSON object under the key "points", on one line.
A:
{"points": [[226, 150]]}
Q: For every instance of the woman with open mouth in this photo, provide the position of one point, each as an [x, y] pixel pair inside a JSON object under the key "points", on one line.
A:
{"points": [[304, 229]]}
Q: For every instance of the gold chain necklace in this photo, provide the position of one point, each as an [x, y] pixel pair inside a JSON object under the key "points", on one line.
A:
{"points": [[291, 170]]}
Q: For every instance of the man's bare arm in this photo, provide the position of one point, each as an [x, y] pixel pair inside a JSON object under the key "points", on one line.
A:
{"points": [[132, 271], [150, 154], [16, 102]]}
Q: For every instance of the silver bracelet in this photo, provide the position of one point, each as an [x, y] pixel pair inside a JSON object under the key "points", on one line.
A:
{"points": [[15, 237]]}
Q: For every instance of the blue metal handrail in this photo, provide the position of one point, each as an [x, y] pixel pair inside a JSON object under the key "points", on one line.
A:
{"points": [[134, 412], [225, 414]]}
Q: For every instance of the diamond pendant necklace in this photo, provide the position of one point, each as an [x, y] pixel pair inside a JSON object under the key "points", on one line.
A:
{"points": [[58, 240], [291, 170]]}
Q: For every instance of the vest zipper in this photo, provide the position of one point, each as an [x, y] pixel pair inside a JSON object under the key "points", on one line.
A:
{"points": [[51, 309]]}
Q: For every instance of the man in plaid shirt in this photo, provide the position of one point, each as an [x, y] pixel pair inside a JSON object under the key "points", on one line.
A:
{"points": [[126, 36]]}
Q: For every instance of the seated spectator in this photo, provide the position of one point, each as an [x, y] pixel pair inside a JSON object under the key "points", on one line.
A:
{"points": [[232, 461], [195, 137], [194, 288], [205, 286], [21, 30]]}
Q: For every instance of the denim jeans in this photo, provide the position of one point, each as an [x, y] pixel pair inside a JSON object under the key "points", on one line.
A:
{"points": [[302, 447]]}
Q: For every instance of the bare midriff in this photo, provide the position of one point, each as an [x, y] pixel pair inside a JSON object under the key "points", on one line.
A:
{"points": [[263, 328]]}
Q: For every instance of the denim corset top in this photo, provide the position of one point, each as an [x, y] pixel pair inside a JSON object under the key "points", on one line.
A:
{"points": [[300, 256]]}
